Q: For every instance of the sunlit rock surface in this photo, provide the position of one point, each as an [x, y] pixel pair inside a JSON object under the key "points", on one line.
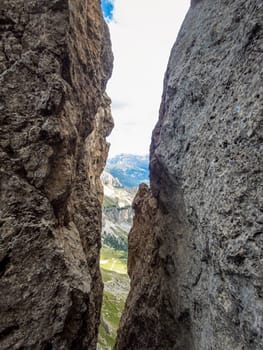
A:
{"points": [[55, 60], [195, 256]]}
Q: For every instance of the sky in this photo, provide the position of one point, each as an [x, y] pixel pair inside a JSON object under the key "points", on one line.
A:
{"points": [[142, 34]]}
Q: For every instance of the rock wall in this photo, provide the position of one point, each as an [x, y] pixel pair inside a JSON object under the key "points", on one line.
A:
{"points": [[195, 256], [55, 60], [119, 215]]}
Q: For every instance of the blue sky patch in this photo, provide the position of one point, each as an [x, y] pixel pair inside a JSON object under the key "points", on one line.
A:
{"points": [[107, 8]]}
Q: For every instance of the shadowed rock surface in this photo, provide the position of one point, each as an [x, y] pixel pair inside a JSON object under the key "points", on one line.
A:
{"points": [[195, 256], [55, 60]]}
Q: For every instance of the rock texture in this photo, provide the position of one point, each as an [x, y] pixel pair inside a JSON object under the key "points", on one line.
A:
{"points": [[147, 320], [55, 60], [195, 256], [117, 213]]}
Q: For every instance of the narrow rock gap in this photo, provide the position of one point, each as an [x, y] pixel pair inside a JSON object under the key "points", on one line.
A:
{"points": [[195, 247], [120, 180]]}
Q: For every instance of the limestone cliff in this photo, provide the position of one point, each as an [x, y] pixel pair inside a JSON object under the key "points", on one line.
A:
{"points": [[195, 256], [55, 60]]}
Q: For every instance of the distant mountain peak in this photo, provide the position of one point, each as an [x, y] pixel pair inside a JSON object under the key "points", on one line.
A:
{"points": [[129, 169], [108, 179]]}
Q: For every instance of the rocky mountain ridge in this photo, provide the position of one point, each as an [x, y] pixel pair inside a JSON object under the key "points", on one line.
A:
{"points": [[117, 212], [129, 169]]}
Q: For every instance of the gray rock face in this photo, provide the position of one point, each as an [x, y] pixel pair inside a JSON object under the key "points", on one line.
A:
{"points": [[55, 60], [205, 252], [120, 216], [117, 213]]}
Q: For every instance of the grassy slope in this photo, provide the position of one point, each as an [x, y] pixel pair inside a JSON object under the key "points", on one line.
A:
{"points": [[113, 260], [116, 284], [113, 263], [109, 202]]}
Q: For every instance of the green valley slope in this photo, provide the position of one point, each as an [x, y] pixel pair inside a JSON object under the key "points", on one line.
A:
{"points": [[116, 286], [117, 219]]}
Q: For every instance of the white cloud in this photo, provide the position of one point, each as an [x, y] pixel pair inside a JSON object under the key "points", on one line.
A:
{"points": [[143, 33]]}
